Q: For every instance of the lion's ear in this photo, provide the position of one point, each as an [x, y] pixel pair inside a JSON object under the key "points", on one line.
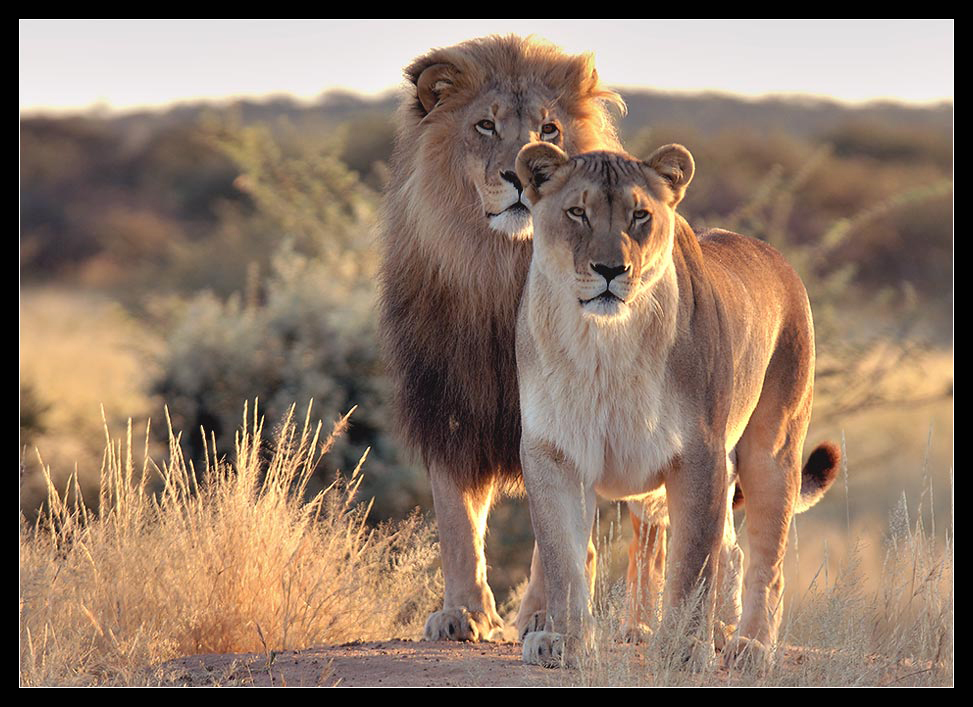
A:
{"points": [[536, 163], [675, 164], [432, 83]]}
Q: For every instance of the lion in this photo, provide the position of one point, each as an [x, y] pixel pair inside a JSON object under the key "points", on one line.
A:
{"points": [[455, 250], [662, 368]]}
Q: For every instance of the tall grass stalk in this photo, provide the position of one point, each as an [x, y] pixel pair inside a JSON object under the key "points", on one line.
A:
{"points": [[842, 628], [230, 558]]}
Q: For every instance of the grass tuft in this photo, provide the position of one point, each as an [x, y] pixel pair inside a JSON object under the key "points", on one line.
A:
{"points": [[229, 558]]}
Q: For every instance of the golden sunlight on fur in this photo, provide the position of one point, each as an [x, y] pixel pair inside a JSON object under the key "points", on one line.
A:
{"points": [[661, 368], [455, 252]]}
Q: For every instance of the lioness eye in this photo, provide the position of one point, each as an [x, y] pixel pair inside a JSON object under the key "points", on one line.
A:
{"points": [[549, 131], [577, 213], [640, 215], [487, 127]]}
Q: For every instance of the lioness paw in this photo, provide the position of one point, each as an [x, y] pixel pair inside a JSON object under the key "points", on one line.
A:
{"points": [[545, 648], [460, 624], [743, 653]]}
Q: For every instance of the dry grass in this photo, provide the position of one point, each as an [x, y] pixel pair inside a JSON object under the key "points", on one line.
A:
{"points": [[880, 613], [228, 559], [233, 559], [79, 351]]}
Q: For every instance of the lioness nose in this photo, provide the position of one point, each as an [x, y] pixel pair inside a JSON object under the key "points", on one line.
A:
{"points": [[609, 272], [512, 177]]}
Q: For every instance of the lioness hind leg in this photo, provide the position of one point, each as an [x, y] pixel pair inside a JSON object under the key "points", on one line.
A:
{"points": [[469, 610], [729, 598], [771, 482], [646, 575]]}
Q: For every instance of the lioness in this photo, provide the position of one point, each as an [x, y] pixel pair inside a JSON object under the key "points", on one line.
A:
{"points": [[646, 357], [455, 253]]}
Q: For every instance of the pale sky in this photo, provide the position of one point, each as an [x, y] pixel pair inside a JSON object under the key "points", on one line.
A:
{"points": [[69, 65]]}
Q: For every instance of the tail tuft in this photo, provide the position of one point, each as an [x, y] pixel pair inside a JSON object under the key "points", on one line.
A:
{"points": [[737, 496], [818, 474]]}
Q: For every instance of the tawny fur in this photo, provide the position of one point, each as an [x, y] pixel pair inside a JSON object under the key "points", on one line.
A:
{"points": [[455, 250], [648, 358], [450, 284]]}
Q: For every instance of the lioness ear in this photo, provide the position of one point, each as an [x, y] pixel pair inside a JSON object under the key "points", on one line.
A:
{"points": [[536, 163], [432, 84], [675, 164]]}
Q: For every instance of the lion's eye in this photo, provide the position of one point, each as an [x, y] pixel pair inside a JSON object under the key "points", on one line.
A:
{"points": [[550, 131], [640, 216], [486, 127], [577, 213]]}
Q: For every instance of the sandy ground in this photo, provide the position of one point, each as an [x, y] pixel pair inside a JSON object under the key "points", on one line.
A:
{"points": [[404, 663], [395, 663]]}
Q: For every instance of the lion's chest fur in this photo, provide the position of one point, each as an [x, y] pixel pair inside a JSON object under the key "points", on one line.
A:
{"points": [[602, 394]]}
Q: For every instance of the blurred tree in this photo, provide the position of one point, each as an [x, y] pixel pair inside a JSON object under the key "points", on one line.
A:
{"points": [[306, 331]]}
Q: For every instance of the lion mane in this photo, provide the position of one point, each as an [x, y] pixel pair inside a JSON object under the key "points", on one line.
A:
{"points": [[450, 286]]}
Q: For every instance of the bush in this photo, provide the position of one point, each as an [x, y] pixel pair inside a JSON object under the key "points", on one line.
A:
{"points": [[306, 331]]}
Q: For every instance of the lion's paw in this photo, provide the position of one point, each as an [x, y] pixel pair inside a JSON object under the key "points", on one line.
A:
{"points": [[535, 622], [460, 624], [746, 653], [545, 648]]}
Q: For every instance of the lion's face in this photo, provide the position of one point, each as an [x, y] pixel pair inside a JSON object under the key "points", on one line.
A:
{"points": [[604, 222], [480, 103], [492, 129]]}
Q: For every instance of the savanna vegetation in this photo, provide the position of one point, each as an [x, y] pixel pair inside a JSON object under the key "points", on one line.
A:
{"points": [[181, 265]]}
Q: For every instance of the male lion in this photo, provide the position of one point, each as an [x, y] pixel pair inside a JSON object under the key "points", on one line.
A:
{"points": [[455, 253], [648, 358]]}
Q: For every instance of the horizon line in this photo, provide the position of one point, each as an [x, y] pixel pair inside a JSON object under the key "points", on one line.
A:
{"points": [[103, 108]]}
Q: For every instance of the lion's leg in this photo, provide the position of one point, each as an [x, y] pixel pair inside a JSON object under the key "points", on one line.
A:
{"points": [[646, 574], [469, 611]]}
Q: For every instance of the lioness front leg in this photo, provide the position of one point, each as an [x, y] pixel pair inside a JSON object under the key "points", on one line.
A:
{"points": [[562, 514], [532, 615], [696, 491], [469, 611]]}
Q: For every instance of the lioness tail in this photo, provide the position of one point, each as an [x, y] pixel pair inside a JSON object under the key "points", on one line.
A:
{"points": [[818, 474]]}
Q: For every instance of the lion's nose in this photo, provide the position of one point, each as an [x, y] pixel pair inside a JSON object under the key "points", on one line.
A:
{"points": [[509, 176], [609, 272]]}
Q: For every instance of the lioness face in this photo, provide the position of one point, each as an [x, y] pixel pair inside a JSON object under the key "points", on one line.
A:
{"points": [[604, 222]]}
